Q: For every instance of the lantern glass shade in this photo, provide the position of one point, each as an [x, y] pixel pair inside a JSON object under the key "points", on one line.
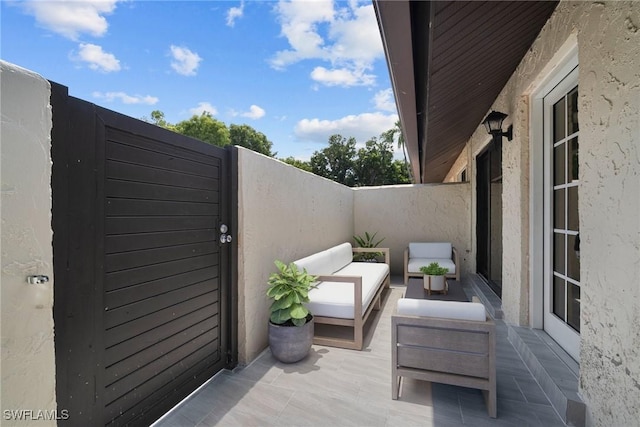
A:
{"points": [[493, 122]]}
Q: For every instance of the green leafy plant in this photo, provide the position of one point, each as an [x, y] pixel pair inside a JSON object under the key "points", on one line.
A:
{"points": [[289, 288], [434, 269], [367, 241]]}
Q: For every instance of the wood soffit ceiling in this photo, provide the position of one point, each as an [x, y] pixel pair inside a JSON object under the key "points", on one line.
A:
{"points": [[448, 61]]}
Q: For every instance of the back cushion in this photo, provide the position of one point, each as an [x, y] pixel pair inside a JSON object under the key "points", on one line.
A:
{"points": [[430, 250], [443, 309], [341, 256], [316, 264], [328, 261]]}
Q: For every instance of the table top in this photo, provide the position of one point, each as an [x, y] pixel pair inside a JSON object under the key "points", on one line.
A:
{"points": [[415, 289]]}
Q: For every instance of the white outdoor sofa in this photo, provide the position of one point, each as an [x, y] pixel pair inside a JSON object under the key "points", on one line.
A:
{"points": [[347, 291], [419, 254], [448, 342]]}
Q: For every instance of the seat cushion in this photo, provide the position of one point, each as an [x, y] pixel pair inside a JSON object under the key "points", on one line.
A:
{"points": [[335, 299], [415, 263], [430, 250], [443, 309]]}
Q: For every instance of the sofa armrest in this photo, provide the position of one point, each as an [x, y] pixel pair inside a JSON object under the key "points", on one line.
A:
{"points": [[357, 289], [456, 261], [385, 251]]}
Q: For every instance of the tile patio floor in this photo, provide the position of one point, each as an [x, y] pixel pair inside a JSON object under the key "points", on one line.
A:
{"points": [[337, 387]]}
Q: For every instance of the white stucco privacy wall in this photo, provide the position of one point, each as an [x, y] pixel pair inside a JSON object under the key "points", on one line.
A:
{"points": [[283, 213], [607, 36], [28, 357], [416, 213]]}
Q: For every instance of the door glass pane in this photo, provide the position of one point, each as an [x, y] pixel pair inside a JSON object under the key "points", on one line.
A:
{"points": [[572, 111], [558, 253], [572, 209], [573, 258], [558, 120], [559, 165], [573, 308], [572, 147], [558, 208], [558, 297]]}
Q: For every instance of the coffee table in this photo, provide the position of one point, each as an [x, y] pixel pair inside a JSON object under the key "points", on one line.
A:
{"points": [[415, 289]]}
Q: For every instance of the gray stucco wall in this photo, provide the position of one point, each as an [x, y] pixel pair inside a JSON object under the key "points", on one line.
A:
{"points": [[417, 213], [28, 358], [607, 36]]}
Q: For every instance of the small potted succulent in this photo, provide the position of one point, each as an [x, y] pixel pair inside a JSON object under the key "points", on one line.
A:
{"points": [[434, 279], [290, 324]]}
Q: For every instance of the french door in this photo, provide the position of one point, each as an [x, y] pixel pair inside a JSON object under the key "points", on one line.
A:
{"points": [[562, 228]]}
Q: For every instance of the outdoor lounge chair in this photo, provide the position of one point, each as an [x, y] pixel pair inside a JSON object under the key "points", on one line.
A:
{"points": [[419, 254], [448, 342]]}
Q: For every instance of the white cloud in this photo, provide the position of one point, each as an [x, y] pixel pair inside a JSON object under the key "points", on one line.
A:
{"points": [[362, 127], [342, 77], [72, 18], [125, 98], [346, 37], [185, 62], [96, 58], [235, 13], [384, 100], [203, 107], [254, 112]]}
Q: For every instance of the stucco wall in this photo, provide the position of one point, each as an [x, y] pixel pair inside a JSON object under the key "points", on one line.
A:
{"points": [[607, 35], [28, 359], [410, 213], [284, 213]]}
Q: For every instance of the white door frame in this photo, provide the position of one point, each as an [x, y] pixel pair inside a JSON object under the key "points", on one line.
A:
{"points": [[560, 67]]}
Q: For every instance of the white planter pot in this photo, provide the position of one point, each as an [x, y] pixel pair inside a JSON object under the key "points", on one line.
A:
{"points": [[435, 283]]}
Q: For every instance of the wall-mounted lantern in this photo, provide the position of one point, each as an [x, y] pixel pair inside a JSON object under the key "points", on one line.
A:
{"points": [[493, 123]]}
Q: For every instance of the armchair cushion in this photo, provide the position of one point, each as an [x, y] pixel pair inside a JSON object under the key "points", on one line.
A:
{"points": [[430, 250], [442, 309]]}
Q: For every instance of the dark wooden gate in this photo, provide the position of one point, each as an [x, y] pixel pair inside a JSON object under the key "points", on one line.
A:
{"points": [[142, 301]]}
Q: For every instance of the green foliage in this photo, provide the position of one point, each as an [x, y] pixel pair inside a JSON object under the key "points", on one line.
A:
{"points": [[371, 165], [289, 288], [248, 137], [434, 269], [205, 128], [367, 241], [336, 161], [300, 164]]}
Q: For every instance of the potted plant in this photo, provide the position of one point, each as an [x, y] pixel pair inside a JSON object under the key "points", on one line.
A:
{"points": [[367, 241], [290, 323], [434, 277]]}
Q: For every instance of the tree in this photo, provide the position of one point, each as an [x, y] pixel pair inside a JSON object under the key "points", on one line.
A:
{"points": [[336, 161], [373, 163], [300, 164], [390, 136], [248, 137], [205, 128]]}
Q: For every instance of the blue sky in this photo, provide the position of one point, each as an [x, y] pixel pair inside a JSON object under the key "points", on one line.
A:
{"points": [[297, 71]]}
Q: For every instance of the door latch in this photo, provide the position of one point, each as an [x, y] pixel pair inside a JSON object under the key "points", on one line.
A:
{"points": [[37, 279]]}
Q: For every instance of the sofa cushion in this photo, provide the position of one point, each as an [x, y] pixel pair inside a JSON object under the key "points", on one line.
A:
{"points": [[414, 264], [430, 250], [335, 299], [328, 261], [316, 264], [443, 309]]}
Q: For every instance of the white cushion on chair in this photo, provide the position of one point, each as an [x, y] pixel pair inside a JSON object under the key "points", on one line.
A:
{"points": [[430, 250], [328, 261], [457, 310]]}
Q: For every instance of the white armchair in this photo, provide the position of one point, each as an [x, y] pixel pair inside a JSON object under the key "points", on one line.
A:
{"points": [[419, 254]]}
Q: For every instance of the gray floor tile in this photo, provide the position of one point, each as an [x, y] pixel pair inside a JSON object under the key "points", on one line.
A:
{"points": [[338, 387]]}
